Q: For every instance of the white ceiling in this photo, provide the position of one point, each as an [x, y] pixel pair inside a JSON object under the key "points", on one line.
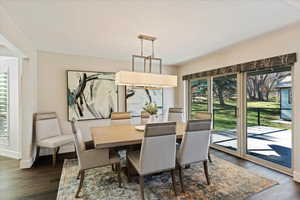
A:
{"points": [[185, 29]]}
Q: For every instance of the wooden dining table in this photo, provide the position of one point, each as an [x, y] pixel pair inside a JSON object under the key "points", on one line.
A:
{"points": [[124, 135]]}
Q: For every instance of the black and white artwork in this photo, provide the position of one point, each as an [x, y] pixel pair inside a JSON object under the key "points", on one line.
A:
{"points": [[136, 98], [91, 95]]}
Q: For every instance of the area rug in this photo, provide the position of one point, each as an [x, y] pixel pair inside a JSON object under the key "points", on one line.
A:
{"points": [[228, 182]]}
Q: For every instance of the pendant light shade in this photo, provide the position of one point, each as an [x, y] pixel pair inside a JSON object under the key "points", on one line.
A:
{"points": [[146, 79], [142, 79]]}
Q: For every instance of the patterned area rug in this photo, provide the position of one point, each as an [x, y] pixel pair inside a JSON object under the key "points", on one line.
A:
{"points": [[228, 181]]}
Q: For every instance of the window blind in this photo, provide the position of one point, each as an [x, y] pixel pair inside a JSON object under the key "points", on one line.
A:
{"points": [[3, 103]]}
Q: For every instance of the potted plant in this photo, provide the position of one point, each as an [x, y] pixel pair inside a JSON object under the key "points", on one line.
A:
{"points": [[152, 109]]}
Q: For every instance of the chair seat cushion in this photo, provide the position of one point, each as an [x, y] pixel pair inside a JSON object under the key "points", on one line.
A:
{"points": [[56, 141], [134, 158]]}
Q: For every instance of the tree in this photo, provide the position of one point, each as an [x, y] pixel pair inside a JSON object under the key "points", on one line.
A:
{"points": [[260, 86], [224, 88]]}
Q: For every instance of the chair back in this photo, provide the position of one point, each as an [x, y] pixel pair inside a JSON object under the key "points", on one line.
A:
{"points": [[144, 115], [175, 114], [46, 125], [203, 116], [195, 142], [158, 151], [118, 118]]}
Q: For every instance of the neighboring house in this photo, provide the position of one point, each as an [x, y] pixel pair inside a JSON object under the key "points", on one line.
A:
{"points": [[285, 89]]}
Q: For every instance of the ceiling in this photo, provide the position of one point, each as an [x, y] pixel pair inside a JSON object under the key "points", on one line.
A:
{"points": [[185, 29]]}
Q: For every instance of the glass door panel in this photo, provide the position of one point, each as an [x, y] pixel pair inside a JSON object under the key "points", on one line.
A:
{"points": [[199, 96], [225, 111], [269, 116]]}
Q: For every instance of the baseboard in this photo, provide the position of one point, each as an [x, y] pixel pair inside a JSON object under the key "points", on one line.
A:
{"points": [[296, 176], [24, 164], [9, 153]]}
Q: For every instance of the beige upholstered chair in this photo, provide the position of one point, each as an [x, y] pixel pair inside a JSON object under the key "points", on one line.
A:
{"points": [[119, 118], [175, 114], [194, 146], [144, 114], [144, 117], [48, 133], [157, 154], [93, 158], [205, 116]]}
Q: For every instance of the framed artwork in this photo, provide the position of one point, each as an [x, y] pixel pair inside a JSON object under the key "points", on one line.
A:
{"points": [[136, 98], [91, 95]]}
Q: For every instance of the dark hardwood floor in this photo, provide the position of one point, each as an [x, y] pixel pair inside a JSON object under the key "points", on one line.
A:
{"points": [[41, 181]]}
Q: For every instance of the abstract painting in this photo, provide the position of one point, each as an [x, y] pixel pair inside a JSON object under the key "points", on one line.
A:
{"points": [[91, 95], [136, 98]]}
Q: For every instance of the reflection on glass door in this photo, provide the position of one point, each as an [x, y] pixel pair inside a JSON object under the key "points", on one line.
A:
{"points": [[225, 111], [199, 96], [269, 116]]}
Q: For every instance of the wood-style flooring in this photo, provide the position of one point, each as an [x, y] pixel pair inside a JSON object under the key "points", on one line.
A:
{"points": [[41, 181]]}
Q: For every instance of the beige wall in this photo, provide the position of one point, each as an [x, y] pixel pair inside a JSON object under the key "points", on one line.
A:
{"points": [[21, 47], [272, 44], [52, 83]]}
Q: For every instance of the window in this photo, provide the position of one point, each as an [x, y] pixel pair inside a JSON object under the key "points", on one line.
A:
{"points": [[3, 102], [290, 96]]}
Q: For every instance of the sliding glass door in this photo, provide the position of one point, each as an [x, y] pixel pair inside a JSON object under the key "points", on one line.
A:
{"points": [[225, 112], [269, 116], [199, 96], [251, 114]]}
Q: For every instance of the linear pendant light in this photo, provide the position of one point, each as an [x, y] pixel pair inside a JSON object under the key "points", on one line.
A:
{"points": [[145, 79]]}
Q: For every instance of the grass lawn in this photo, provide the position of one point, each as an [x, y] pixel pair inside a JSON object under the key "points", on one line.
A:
{"points": [[225, 118]]}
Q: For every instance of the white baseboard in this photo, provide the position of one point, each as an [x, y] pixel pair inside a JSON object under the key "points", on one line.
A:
{"points": [[296, 176], [26, 163], [9, 153]]}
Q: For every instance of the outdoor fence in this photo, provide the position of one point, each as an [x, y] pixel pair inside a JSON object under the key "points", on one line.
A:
{"points": [[255, 116]]}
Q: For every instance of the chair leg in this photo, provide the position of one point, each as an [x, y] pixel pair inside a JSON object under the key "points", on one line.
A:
{"points": [[54, 155], [181, 179], [57, 150], [209, 158], [173, 182], [113, 167], [80, 183], [141, 181], [118, 166], [128, 166], [206, 171], [78, 175], [37, 153]]}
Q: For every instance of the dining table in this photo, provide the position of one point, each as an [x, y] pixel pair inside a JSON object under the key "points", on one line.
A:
{"points": [[113, 136]]}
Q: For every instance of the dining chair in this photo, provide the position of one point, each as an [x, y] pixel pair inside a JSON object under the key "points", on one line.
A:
{"points": [[93, 158], [175, 114], [48, 134], [194, 147], [144, 117], [205, 116], [119, 118], [157, 153]]}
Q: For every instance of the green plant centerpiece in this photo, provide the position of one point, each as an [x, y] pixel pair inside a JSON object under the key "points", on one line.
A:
{"points": [[152, 109]]}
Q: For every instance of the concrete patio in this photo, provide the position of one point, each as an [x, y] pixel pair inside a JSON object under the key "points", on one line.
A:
{"points": [[269, 143]]}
